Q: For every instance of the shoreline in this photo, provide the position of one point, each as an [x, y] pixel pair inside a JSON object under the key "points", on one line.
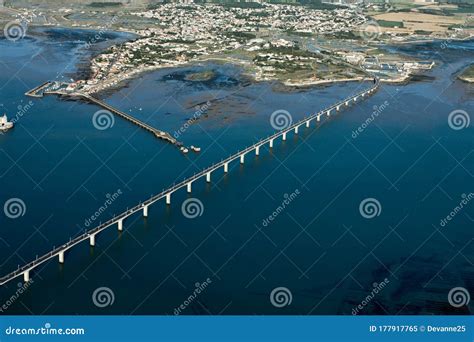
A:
{"points": [[121, 80]]}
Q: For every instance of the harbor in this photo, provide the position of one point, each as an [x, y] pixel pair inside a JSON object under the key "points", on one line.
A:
{"points": [[60, 89]]}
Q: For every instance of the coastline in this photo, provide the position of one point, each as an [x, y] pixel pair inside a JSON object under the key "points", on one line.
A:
{"points": [[120, 80]]}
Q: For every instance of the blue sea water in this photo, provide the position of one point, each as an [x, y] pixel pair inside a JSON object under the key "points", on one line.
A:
{"points": [[319, 247]]}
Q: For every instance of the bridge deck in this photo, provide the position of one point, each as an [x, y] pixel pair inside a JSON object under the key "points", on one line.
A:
{"points": [[158, 133], [72, 242]]}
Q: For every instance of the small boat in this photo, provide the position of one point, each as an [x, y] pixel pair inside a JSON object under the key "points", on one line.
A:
{"points": [[4, 123], [195, 149], [184, 149]]}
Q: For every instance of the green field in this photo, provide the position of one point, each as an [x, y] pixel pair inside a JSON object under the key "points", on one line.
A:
{"points": [[387, 23]]}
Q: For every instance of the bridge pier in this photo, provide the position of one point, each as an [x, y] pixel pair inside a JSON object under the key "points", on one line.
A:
{"points": [[307, 124], [338, 108], [226, 167], [92, 240], [61, 257], [168, 198], [296, 129], [120, 225], [355, 99], [318, 118], [284, 136], [189, 187], [26, 276], [242, 158], [208, 177], [328, 113], [145, 211], [271, 143], [347, 103], [257, 150]]}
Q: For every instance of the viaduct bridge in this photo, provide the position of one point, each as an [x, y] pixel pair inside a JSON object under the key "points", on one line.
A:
{"points": [[117, 221]]}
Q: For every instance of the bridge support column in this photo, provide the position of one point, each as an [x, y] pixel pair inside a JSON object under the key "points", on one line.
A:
{"points": [[257, 150], [208, 177], [145, 211], [61, 257], [26, 276], [92, 240], [318, 118], [271, 143], [338, 108], [226, 167], [328, 113], [296, 129], [355, 99], [242, 158], [120, 225], [189, 187], [168, 198], [347, 103], [284, 136], [307, 123]]}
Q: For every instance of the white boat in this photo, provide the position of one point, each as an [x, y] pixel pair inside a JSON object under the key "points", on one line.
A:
{"points": [[195, 149], [4, 123], [184, 149]]}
